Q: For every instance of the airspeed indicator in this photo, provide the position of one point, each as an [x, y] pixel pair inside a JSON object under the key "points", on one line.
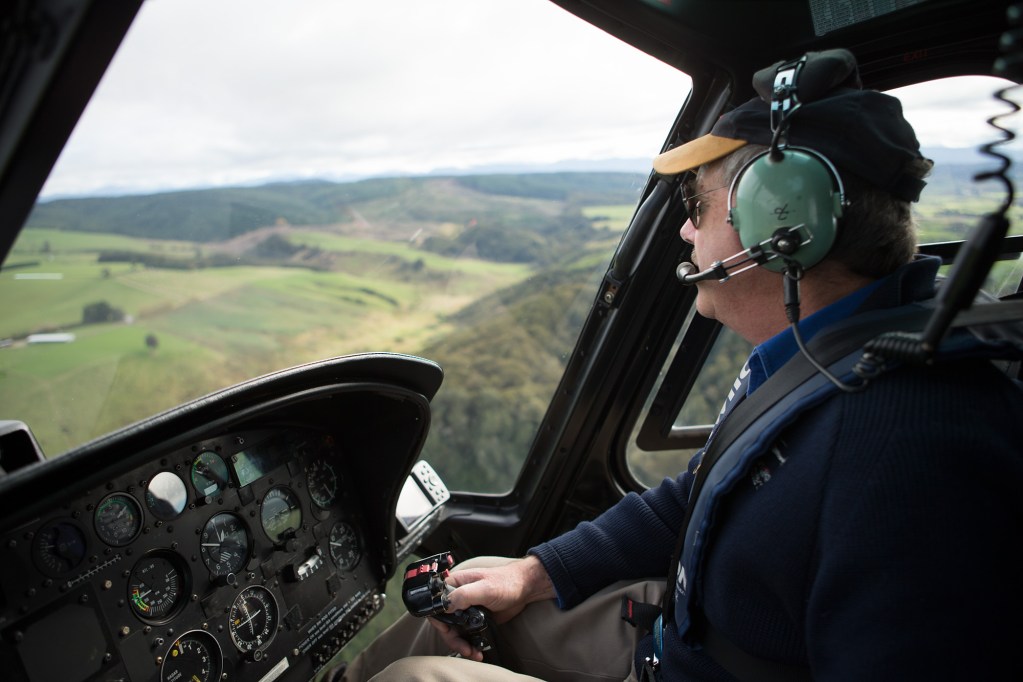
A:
{"points": [[157, 586]]}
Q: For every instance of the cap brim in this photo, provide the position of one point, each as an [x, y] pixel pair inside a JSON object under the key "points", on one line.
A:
{"points": [[695, 153]]}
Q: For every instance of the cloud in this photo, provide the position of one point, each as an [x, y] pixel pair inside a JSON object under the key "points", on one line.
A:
{"points": [[240, 91], [953, 112]]}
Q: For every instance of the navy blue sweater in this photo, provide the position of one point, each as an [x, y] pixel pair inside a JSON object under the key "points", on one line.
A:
{"points": [[877, 540]]}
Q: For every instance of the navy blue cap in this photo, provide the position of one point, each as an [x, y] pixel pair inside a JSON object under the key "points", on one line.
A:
{"points": [[862, 132]]}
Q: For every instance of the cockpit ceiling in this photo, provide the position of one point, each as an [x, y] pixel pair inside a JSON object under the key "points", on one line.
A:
{"points": [[741, 36]]}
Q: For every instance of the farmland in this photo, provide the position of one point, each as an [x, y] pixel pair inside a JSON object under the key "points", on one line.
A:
{"points": [[192, 316]]}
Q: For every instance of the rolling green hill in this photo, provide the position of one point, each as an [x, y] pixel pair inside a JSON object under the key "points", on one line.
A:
{"points": [[389, 208]]}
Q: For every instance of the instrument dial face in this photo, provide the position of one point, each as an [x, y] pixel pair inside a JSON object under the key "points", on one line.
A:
{"points": [[118, 519], [209, 473], [322, 482], [280, 512], [345, 546], [58, 547], [166, 496], [253, 618], [224, 544], [195, 656], [157, 586]]}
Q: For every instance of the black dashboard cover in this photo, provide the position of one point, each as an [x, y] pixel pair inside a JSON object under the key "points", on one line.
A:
{"points": [[248, 533]]}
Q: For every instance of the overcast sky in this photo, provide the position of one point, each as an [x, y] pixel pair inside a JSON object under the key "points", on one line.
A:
{"points": [[218, 92]]}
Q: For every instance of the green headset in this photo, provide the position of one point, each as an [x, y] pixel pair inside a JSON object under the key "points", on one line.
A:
{"points": [[786, 202]]}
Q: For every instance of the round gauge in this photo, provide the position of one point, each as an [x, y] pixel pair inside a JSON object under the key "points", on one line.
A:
{"points": [[157, 586], [224, 544], [209, 473], [253, 618], [166, 496], [345, 547], [195, 656], [280, 512], [118, 519], [58, 547], [322, 483]]}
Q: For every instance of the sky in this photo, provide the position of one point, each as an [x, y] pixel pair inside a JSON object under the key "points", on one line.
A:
{"points": [[222, 92]]}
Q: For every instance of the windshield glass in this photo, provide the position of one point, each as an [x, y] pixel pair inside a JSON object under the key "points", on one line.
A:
{"points": [[256, 185]]}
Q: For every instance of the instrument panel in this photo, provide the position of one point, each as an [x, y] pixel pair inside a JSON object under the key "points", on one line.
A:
{"points": [[255, 551]]}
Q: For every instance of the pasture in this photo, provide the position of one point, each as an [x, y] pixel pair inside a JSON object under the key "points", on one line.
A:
{"points": [[213, 327]]}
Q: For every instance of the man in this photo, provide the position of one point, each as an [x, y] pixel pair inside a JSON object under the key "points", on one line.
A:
{"points": [[862, 535]]}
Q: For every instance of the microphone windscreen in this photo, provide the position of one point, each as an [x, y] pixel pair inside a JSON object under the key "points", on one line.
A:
{"points": [[684, 270]]}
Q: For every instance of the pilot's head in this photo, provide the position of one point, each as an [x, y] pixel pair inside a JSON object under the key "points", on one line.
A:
{"points": [[851, 167]]}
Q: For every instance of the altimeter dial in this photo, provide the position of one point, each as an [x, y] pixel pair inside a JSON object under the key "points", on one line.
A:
{"points": [[224, 544]]}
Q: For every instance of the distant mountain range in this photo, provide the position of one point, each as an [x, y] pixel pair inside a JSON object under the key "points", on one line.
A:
{"points": [[642, 165], [387, 208]]}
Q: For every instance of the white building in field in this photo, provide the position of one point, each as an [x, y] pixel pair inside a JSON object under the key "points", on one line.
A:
{"points": [[51, 338]]}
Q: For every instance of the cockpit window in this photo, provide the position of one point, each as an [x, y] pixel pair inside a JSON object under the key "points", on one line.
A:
{"points": [[258, 185], [950, 118]]}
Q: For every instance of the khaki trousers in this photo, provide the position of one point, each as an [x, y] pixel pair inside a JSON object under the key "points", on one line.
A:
{"points": [[588, 642]]}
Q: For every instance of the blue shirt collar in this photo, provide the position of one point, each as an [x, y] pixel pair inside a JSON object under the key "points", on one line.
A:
{"points": [[770, 355]]}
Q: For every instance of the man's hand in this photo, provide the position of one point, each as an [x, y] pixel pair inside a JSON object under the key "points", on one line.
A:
{"points": [[503, 590]]}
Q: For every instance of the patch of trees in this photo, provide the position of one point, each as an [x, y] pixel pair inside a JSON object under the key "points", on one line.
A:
{"points": [[541, 241], [383, 297], [587, 188], [193, 215], [504, 366], [100, 312], [275, 247], [157, 260], [493, 243], [274, 250]]}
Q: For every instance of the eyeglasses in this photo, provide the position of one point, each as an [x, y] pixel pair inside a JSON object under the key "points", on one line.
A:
{"points": [[693, 207]]}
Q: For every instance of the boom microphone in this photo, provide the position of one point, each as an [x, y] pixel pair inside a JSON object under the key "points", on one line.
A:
{"points": [[686, 272], [781, 244]]}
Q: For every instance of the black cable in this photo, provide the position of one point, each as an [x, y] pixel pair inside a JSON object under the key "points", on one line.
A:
{"points": [[794, 273]]}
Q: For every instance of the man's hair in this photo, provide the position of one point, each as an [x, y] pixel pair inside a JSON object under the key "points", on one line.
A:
{"points": [[876, 233]]}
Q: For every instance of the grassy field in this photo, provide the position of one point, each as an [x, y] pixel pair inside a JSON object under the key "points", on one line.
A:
{"points": [[613, 218], [213, 327]]}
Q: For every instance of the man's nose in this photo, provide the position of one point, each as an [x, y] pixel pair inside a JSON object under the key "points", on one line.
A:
{"points": [[688, 231]]}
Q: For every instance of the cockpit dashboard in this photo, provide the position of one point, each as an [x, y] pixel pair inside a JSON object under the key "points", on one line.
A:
{"points": [[245, 536]]}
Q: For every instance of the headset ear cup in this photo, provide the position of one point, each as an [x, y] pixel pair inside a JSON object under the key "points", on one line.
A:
{"points": [[796, 187]]}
